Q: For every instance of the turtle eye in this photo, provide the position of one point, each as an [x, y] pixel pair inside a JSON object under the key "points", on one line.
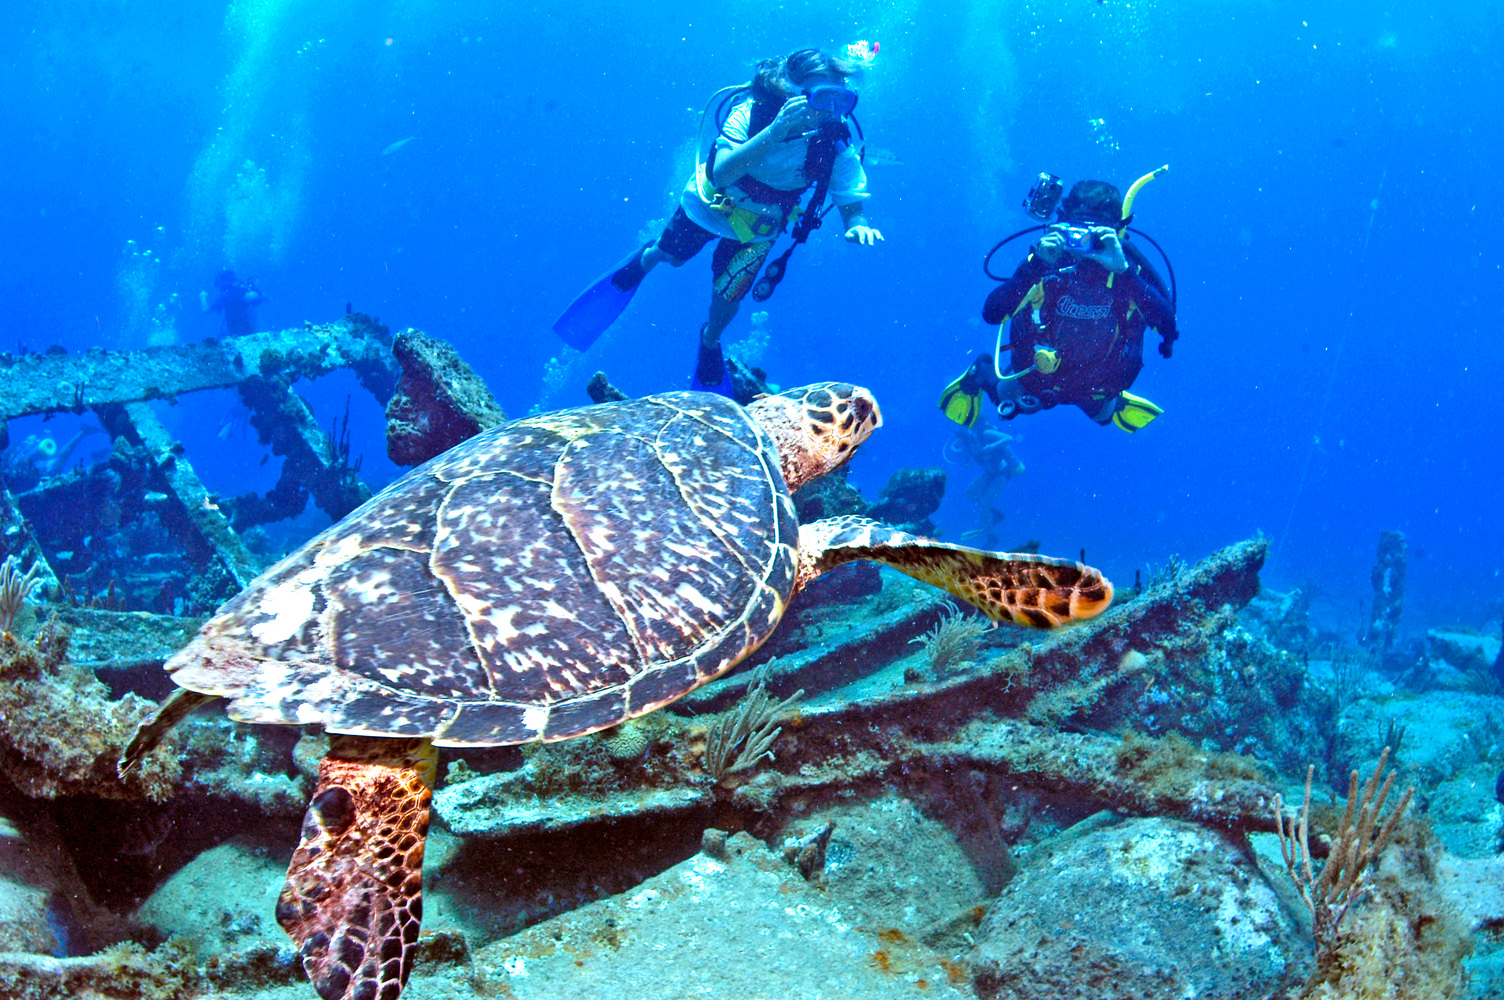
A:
{"points": [[863, 408]]}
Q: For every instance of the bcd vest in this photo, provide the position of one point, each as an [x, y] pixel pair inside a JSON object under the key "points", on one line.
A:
{"points": [[1086, 316]]}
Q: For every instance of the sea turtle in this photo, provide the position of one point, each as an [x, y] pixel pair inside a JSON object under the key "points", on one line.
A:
{"points": [[545, 579]]}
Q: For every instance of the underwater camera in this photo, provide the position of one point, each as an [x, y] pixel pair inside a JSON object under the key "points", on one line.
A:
{"points": [[1080, 239], [1044, 196]]}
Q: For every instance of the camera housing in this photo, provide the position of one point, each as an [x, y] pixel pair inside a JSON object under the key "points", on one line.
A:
{"points": [[1044, 196]]}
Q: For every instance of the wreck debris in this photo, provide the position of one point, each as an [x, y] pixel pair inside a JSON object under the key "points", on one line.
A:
{"points": [[62, 731], [1388, 591], [58, 382], [213, 549], [19, 541], [439, 401], [149, 472], [313, 464], [909, 498], [968, 722], [148, 487], [600, 390], [827, 660], [906, 501]]}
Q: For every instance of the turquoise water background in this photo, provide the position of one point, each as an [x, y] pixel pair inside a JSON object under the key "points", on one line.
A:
{"points": [[466, 168]]}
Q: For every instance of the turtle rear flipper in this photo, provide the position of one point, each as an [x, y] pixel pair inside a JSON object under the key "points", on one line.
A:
{"points": [[1026, 589], [353, 900]]}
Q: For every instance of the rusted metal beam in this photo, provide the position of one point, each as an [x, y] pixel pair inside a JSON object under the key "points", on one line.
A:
{"points": [[312, 460], [213, 542], [52, 383]]}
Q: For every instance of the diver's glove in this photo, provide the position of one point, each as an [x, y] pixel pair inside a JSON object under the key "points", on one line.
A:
{"points": [[1167, 344]]}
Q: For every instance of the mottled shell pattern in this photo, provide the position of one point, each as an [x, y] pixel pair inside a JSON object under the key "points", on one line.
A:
{"points": [[545, 579]]}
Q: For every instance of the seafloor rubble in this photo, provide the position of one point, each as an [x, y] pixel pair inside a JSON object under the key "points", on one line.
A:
{"points": [[889, 801]]}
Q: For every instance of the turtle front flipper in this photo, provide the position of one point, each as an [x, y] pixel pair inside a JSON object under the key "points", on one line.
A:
{"points": [[1026, 589], [354, 895], [149, 734]]}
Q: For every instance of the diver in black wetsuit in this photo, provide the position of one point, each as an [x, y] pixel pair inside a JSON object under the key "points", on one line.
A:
{"points": [[236, 299], [1077, 309]]}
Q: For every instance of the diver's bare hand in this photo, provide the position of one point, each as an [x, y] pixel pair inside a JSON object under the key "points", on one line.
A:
{"points": [[794, 119], [1107, 249], [865, 235], [1051, 245]]}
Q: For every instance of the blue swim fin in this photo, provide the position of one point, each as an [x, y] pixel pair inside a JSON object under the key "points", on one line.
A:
{"points": [[597, 307], [704, 379]]}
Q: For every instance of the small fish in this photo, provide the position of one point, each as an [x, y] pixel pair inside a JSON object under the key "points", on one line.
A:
{"points": [[388, 151]]}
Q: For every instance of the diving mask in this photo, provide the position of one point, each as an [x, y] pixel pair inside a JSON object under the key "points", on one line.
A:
{"points": [[832, 98]]}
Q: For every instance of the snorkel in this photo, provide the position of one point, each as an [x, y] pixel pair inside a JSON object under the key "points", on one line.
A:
{"points": [[1133, 191]]}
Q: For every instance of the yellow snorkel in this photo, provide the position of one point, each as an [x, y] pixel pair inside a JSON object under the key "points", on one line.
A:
{"points": [[1133, 192]]}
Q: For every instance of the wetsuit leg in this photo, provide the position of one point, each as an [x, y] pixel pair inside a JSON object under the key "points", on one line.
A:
{"points": [[1100, 411], [682, 239], [735, 268]]}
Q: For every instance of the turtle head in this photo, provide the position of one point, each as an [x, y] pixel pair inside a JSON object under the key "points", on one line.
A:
{"points": [[816, 427]]}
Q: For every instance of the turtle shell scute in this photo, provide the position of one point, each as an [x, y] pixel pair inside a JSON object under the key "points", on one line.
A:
{"points": [[544, 579]]}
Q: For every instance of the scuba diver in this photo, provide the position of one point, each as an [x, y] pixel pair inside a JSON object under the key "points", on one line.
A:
{"points": [[1077, 309], [992, 451], [236, 299], [786, 132]]}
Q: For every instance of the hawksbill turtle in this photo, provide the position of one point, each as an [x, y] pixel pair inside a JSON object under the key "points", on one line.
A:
{"points": [[545, 579]]}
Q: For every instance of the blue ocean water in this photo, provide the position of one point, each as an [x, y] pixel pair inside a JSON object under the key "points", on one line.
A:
{"points": [[467, 168]]}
